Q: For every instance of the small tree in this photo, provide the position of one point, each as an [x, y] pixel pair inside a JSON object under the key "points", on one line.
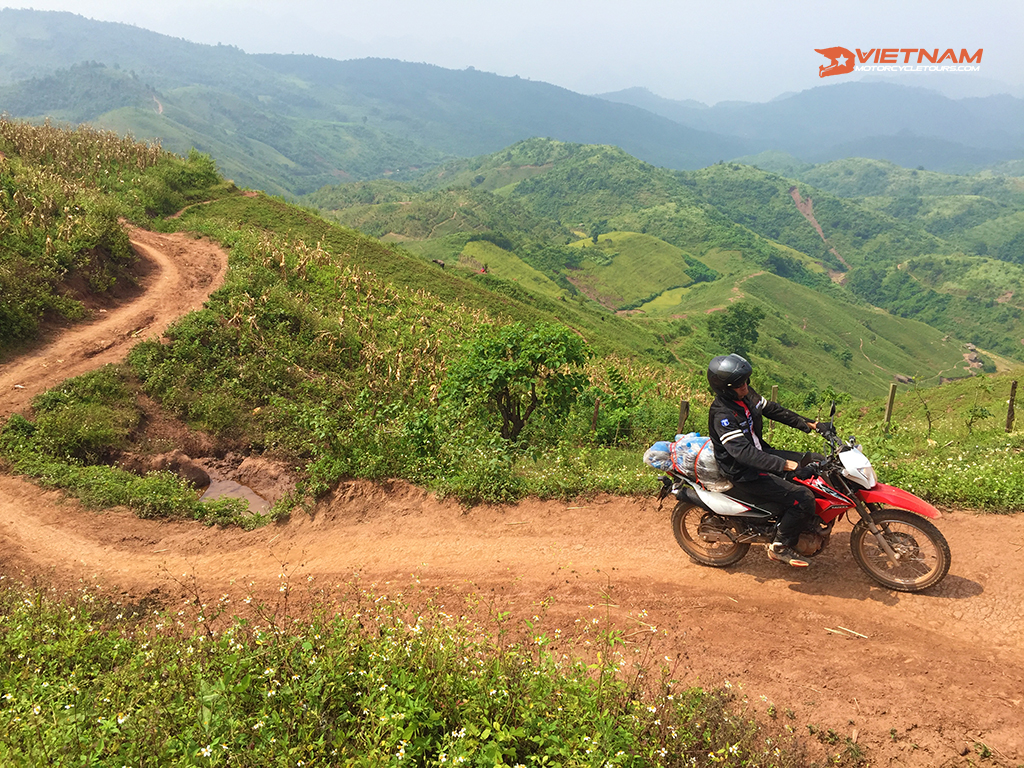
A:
{"points": [[516, 370], [736, 328]]}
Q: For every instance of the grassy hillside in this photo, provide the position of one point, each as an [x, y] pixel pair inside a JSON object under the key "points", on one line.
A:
{"points": [[644, 236], [976, 213], [401, 210], [347, 356], [981, 279], [766, 204], [332, 351], [622, 270], [62, 194], [807, 341], [292, 124], [896, 216], [861, 177]]}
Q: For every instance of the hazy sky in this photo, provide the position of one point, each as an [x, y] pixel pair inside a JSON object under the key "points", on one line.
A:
{"points": [[711, 50]]}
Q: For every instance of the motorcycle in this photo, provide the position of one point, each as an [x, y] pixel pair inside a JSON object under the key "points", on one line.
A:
{"points": [[893, 539]]}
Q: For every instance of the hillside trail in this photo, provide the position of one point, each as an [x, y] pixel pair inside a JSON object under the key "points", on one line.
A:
{"points": [[932, 679]]}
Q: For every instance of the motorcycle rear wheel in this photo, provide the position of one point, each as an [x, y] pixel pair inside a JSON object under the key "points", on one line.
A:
{"points": [[687, 520], [924, 552]]}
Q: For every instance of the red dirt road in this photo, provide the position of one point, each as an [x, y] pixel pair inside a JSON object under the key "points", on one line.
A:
{"points": [[937, 675], [180, 272]]}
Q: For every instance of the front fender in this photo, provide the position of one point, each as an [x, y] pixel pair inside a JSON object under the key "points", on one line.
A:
{"points": [[892, 496]]}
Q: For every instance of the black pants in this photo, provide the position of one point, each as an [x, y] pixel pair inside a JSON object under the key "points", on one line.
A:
{"points": [[794, 501]]}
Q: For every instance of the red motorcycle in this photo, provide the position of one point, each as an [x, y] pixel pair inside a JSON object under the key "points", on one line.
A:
{"points": [[892, 539]]}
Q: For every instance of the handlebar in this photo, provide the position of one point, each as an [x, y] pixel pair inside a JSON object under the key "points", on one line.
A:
{"points": [[807, 471]]}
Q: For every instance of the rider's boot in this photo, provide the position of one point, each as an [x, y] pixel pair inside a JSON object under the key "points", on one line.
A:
{"points": [[781, 553]]}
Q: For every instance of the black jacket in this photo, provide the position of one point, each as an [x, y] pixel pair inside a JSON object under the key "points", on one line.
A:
{"points": [[732, 432]]}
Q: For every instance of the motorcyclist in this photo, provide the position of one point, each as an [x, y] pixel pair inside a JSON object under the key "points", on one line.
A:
{"points": [[755, 468]]}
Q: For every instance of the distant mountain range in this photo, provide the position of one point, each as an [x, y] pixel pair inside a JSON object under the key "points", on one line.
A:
{"points": [[291, 124], [909, 126]]}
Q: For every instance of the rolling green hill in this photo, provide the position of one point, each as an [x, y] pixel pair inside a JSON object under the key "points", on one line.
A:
{"points": [[860, 177], [335, 351], [623, 270], [671, 247], [838, 340], [938, 225], [850, 234], [434, 214], [981, 279], [290, 124]]}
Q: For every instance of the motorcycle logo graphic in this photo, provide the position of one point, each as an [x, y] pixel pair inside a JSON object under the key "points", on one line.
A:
{"points": [[834, 67]]}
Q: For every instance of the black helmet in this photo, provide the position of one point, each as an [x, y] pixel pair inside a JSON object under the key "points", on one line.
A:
{"points": [[726, 372]]}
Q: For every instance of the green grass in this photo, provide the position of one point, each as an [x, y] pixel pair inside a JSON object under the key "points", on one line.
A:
{"points": [[624, 269], [607, 334], [353, 678], [507, 266], [852, 347], [978, 278]]}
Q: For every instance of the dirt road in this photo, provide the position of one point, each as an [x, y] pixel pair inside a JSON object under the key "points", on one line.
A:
{"points": [[937, 679], [178, 273]]}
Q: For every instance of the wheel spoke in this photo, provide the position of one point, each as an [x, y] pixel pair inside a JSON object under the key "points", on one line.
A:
{"points": [[923, 552], [706, 537]]}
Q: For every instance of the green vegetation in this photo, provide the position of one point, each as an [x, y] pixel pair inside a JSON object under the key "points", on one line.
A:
{"points": [[516, 371], [623, 270], [735, 328], [61, 196], [642, 229], [985, 280], [991, 324], [360, 679], [860, 178], [764, 203], [947, 444], [348, 357], [78, 432]]}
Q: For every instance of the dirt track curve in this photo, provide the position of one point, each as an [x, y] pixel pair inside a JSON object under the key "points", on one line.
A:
{"points": [[936, 675]]}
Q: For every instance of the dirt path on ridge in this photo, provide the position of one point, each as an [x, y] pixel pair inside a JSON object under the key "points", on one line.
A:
{"points": [[180, 274], [936, 676]]}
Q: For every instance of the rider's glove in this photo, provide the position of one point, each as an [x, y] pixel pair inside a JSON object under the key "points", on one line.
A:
{"points": [[807, 472], [825, 428]]}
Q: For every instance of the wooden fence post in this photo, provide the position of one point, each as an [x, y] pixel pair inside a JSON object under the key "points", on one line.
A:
{"points": [[684, 414], [1011, 408], [597, 407], [888, 406]]}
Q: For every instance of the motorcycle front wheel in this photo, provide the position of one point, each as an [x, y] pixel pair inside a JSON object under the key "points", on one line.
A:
{"points": [[704, 536], [922, 549]]}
